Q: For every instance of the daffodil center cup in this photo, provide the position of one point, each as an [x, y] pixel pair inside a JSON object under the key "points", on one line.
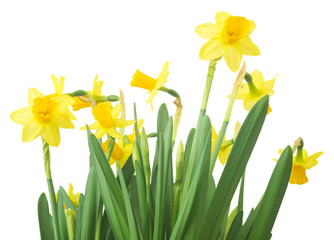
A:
{"points": [[234, 29], [106, 121], [43, 108]]}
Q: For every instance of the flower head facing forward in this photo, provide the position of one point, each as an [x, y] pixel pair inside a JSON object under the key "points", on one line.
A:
{"points": [[84, 101], [229, 38], [141, 80], [120, 153], [226, 146], [301, 162], [43, 117], [255, 90], [107, 120]]}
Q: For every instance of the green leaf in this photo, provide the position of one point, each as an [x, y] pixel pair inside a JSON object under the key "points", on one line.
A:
{"points": [[190, 213], [235, 226], [71, 225], [90, 207], [129, 212], [79, 216], [141, 190], [107, 184], [45, 226], [128, 171], [104, 225], [272, 197], [61, 217], [187, 151], [68, 202], [233, 170]]}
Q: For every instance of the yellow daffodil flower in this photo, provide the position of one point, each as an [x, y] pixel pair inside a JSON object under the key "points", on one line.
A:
{"points": [[300, 163], [141, 80], [228, 37], [107, 120], [120, 153], [83, 101], [43, 117], [254, 91], [133, 135], [226, 146]]}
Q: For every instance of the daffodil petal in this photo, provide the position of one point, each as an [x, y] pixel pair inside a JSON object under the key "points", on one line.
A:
{"points": [[32, 94], [100, 132], [31, 131], [60, 86], [298, 175], [221, 17], [311, 161], [213, 49], [62, 121], [208, 30], [257, 79], [97, 86], [232, 56], [116, 111], [113, 132], [162, 78], [122, 123], [236, 129], [249, 103], [51, 134], [267, 87], [22, 116], [55, 82], [214, 134], [247, 47], [252, 26], [153, 93]]}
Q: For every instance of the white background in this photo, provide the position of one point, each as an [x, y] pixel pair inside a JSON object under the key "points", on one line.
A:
{"points": [[79, 39]]}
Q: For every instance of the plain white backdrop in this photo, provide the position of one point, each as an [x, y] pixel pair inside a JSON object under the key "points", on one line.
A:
{"points": [[78, 39]]}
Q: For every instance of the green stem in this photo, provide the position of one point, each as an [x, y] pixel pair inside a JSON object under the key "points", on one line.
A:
{"points": [[169, 91], [177, 118], [47, 158], [99, 220], [222, 131], [206, 93]]}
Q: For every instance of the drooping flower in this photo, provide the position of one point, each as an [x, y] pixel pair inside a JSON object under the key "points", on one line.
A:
{"points": [[228, 37], [301, 162], [107, 120], [141, 80], [226, 146], [43, 117], [120, 153], [255, 89], [84, 101]]}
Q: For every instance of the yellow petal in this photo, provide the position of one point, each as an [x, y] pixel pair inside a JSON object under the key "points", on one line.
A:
{"points": [[252, 26], [51, 134], [32, 94], [22, 116], [247, 47], [97, 86], [162, 78], [213, 49], [113, 132], [208, 30], [249, 103], [236, 129], [100, 132], [55, 82], [60, 87], [214, 134], [31, 131], [257, 79], [153, 93], [62, 121], [95, 125], [311, 161], [221, 17], [116, 111], [233, 57], [122, 123], [267, 87]]}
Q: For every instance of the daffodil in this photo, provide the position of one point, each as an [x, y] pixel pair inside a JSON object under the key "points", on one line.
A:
{"points": [[120, 153], [141, 80], [226, 146], [43, 117], [107, 120], [84, 101], [74, 197], [255, 89], [228, 37], [301, 162]]}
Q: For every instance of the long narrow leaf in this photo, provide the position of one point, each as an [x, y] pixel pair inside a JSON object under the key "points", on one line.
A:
{"points": [[234, 168], [45, 226], [61, 217]]}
